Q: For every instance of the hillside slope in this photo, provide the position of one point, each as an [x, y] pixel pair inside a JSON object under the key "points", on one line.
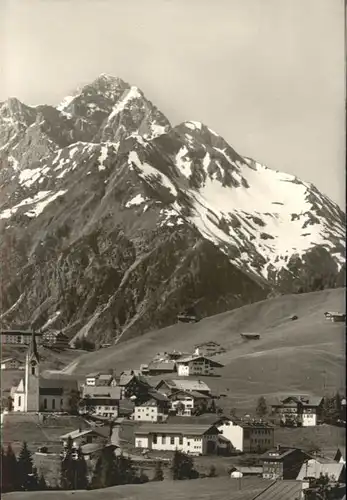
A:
{"points": [[112, 221], [306, 355]]}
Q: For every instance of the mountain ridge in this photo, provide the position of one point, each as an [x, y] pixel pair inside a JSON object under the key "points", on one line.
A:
{"points": [[113, 221]]}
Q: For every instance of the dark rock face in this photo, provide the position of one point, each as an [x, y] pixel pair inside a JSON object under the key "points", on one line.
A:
{"points": [[112, 222]]}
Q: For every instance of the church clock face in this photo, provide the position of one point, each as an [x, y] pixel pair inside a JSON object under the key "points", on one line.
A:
{"points": [[33, 363]]}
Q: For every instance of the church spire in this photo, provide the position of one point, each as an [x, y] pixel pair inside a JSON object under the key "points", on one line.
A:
{"points": [[32, 351]]}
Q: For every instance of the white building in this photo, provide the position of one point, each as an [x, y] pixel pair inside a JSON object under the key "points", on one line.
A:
{"points": [[196, 365], [11, 364], [153, 410], [193, 439], [317, 467], [298, 410], [102, 400], [184, 402], [35, 393], [247, 436]]}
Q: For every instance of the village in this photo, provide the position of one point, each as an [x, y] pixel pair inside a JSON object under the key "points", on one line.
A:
{"points": [[151, 412]]}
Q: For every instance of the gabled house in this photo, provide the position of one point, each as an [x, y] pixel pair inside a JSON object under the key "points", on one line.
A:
{"points": [[184, 402], [196, 365], [283, 462], [161, 367], [12, 364], [155, 409], [101, 400], [81, 437], [132, 385], [247, 436], [193, 439], [298, 410], [314, 468], [173, 385]]}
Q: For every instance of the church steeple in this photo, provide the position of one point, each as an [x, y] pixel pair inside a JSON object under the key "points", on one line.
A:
{"points": [[32, 351]]}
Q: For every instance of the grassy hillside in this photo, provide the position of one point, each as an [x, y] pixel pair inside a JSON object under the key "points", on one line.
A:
{"points": [[306, 355], [198, 489]]}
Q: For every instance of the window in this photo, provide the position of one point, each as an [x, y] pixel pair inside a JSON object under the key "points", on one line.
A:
{"points": [[45, 404], [163, 439], [19, 400], [181, 440], [53, 404], [154, 438], [172, 440], [188, 444], [33, 370], [61, 403]]}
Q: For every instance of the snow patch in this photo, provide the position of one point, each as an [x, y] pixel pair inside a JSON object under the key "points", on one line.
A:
{"points": [[148, 172], [137, 200], [132, 93], [39, 208], [182, 163]]}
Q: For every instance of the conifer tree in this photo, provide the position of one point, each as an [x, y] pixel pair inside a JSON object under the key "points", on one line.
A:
{"points": [[81, 473], [158, 473], [106, 470], [126, 471], [27, 475], [11, 470], [182, 466], [67, 472], [261, 410]]}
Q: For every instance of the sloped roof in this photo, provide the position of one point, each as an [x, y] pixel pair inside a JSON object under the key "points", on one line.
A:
{"points": [[191, 394], [168, 366], [53, 383], [89, 448], [92, 375], [249, 470], [99, 391], [188, 385], [77, 433], [166, 428], [187, 359], [297, 398], [281, 490], [314, 468], [275, 454], [105, 376], [6, 360]]}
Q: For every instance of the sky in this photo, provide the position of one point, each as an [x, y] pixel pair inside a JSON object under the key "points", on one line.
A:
{"points": [[268, 75]]}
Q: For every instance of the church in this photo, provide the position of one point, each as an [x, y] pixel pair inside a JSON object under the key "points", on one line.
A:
{"points": [[35, 393]]}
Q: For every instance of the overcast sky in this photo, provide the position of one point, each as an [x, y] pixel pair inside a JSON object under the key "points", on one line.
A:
{"points": [[268, 75]]}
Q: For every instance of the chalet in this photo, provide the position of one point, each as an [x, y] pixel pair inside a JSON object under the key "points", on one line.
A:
{"points": [[314, 468], [20, 337], [192, 439], [298, 410], [247, 436], [155, 409], [91, 450], [81, 437], [174, 385], [161, 367], [283, 463], [184, 402], [133, 385], [101, 400], [196, 365], [55, 339], [335, 317], [12, 364]]}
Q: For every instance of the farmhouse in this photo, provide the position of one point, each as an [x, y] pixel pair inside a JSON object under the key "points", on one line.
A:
{"points": [[155, 409], [283, 463], [11, 364], [81, 437], [196, 365], [184, 402], [35, 393], [161, 367], [174, 385], [192, 439], [55, 339], [102, 400], [335, 317], [298, 410]]}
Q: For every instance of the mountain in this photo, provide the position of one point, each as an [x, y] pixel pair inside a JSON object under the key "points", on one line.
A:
{"points": [[112, 221]]}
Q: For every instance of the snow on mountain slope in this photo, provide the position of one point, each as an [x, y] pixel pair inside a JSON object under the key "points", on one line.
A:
{"points": [[119, 221], [259, 217]]}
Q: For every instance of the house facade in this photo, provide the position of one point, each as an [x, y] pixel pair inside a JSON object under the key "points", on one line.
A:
{"points": [[247, 436], [101, 400], [55, 339], [11, 364], [300, 410], [191, 439], [81, 437], [183, 403], [196, 365], [151, 411], [283, 463], [19, 337]]}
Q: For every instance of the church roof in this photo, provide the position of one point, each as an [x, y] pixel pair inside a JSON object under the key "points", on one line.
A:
{"points": [[32, 351]]}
